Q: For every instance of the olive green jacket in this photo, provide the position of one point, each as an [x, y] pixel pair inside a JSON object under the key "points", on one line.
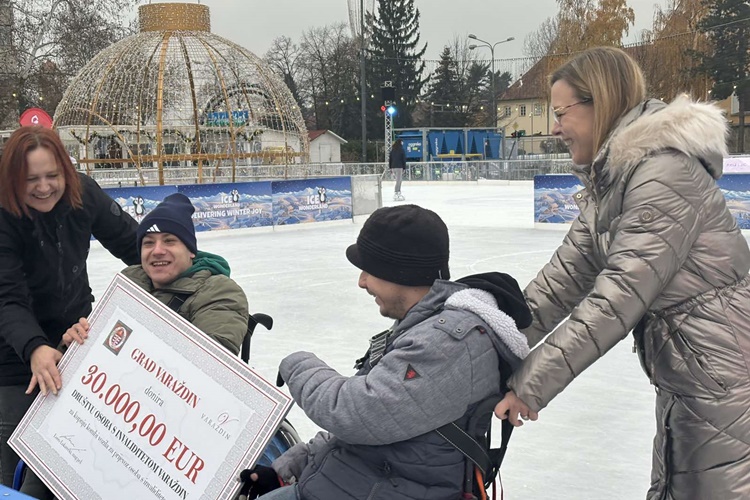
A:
{"points": [[216, 305]]}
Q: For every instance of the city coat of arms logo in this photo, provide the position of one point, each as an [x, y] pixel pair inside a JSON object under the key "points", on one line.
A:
{"points": [[116, 339]]}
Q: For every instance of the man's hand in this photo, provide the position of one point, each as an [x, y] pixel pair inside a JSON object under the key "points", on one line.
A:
{"points": [[258, 481], [76, 333], [44, 371], [511, 407]]}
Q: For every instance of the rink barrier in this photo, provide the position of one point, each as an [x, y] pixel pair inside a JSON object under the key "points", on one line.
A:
{"points": [[131, 177], [554, 203], [257, 204], [446, 170], [503, 170], [506, 170], [367, 194]]}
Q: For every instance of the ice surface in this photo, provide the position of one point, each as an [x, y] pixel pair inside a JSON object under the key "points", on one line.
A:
{"points": [[592, 442]]}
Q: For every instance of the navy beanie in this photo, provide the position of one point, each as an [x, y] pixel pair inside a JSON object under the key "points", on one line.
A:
{"points": [[174, 216]]}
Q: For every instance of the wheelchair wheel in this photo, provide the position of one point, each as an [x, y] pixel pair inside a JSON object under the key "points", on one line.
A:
{"points": [[285, 438], [18, 475]]}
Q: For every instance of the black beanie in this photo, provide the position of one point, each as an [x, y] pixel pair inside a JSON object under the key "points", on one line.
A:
{"points": [[174, 216], [406, 245]]}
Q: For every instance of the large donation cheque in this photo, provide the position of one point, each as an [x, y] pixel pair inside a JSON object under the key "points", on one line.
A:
{"points": [[150, 408]]}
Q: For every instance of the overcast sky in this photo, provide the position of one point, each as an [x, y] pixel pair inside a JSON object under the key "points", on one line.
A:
{"points": [[255, 23]]}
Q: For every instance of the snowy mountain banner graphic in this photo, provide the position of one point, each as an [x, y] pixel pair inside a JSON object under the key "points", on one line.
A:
{"points": [[248, 204], [312, 200], [554, 198], [230, 206]]}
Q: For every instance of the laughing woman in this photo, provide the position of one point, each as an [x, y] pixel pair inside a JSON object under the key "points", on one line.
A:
{"points": [[654, 250], [48, 213]]}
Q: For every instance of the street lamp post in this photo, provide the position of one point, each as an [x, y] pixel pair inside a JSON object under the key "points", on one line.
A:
{"points": [[362, 77], [491, 46]]}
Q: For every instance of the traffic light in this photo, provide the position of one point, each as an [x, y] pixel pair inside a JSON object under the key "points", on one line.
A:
{"points": [[390, 109]]}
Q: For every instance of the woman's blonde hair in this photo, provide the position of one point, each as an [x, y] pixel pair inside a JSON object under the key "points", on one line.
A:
{"points": [[611, 79]]}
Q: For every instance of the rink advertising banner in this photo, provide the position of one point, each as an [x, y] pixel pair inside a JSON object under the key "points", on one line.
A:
{"points": [[553, 198], [138, 201], [230, 206], [554, 203], [736, 189], [312, 200], [737, 164], [150, 408]]}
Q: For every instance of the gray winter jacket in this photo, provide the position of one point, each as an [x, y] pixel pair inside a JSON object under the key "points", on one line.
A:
{"points": [[438, 362], [655, 241]]}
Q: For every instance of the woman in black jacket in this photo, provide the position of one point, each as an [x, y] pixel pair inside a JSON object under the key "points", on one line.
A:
{"points": [[48, 213], [397, 163]]}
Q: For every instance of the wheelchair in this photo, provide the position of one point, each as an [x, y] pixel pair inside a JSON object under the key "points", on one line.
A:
{"points": [[286, 436]]}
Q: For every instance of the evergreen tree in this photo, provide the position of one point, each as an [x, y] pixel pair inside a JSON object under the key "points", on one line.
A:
{"points": [[503, 80], [477, 94], [728, 64], [445, 92], [459, 93], [394, 55]]}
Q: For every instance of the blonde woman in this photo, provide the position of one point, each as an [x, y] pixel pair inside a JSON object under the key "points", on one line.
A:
{"points": [[654, 250]]}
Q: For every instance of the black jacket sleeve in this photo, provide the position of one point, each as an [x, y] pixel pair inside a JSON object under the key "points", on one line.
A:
{"points": [[112, 226], [399, 160], [19, 327]]}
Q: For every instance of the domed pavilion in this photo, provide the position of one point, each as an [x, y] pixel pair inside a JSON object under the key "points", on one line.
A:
{"points": [[178, 102]]}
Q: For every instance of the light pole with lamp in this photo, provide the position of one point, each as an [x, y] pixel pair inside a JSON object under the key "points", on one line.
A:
{"points": [[492, 54], [362, 78]]}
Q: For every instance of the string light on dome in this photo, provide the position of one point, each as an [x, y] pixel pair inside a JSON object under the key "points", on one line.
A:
{"points": [[123, 92]]}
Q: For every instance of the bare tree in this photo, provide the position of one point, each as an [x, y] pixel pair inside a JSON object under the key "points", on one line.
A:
{"points": [[666, 53], [578, 25], [329, 67], [541, 42], [284, 57], [462, 54], [589, 23], [65, 33]]}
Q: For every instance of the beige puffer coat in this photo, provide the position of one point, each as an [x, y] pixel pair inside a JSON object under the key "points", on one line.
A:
{"points": [[655, 241]]}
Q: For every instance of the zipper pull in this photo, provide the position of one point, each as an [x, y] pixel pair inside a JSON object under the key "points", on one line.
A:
{"points": [[387, 471]]}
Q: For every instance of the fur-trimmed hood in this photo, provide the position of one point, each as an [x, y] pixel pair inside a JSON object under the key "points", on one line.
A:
{"points": [[697, 129]]}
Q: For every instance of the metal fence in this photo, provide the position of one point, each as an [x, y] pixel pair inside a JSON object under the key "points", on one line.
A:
{"points": [[123, 177], [509, 170], [423, 171]]}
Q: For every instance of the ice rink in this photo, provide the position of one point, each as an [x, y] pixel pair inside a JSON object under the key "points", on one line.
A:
{"points": [[591, 443]]}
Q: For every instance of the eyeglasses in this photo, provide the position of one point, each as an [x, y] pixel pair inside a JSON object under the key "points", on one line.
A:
{"points": [[558, 112]]}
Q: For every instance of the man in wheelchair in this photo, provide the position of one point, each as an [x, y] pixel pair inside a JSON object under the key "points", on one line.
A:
{"points": [[386, 425], [194, 284]]}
